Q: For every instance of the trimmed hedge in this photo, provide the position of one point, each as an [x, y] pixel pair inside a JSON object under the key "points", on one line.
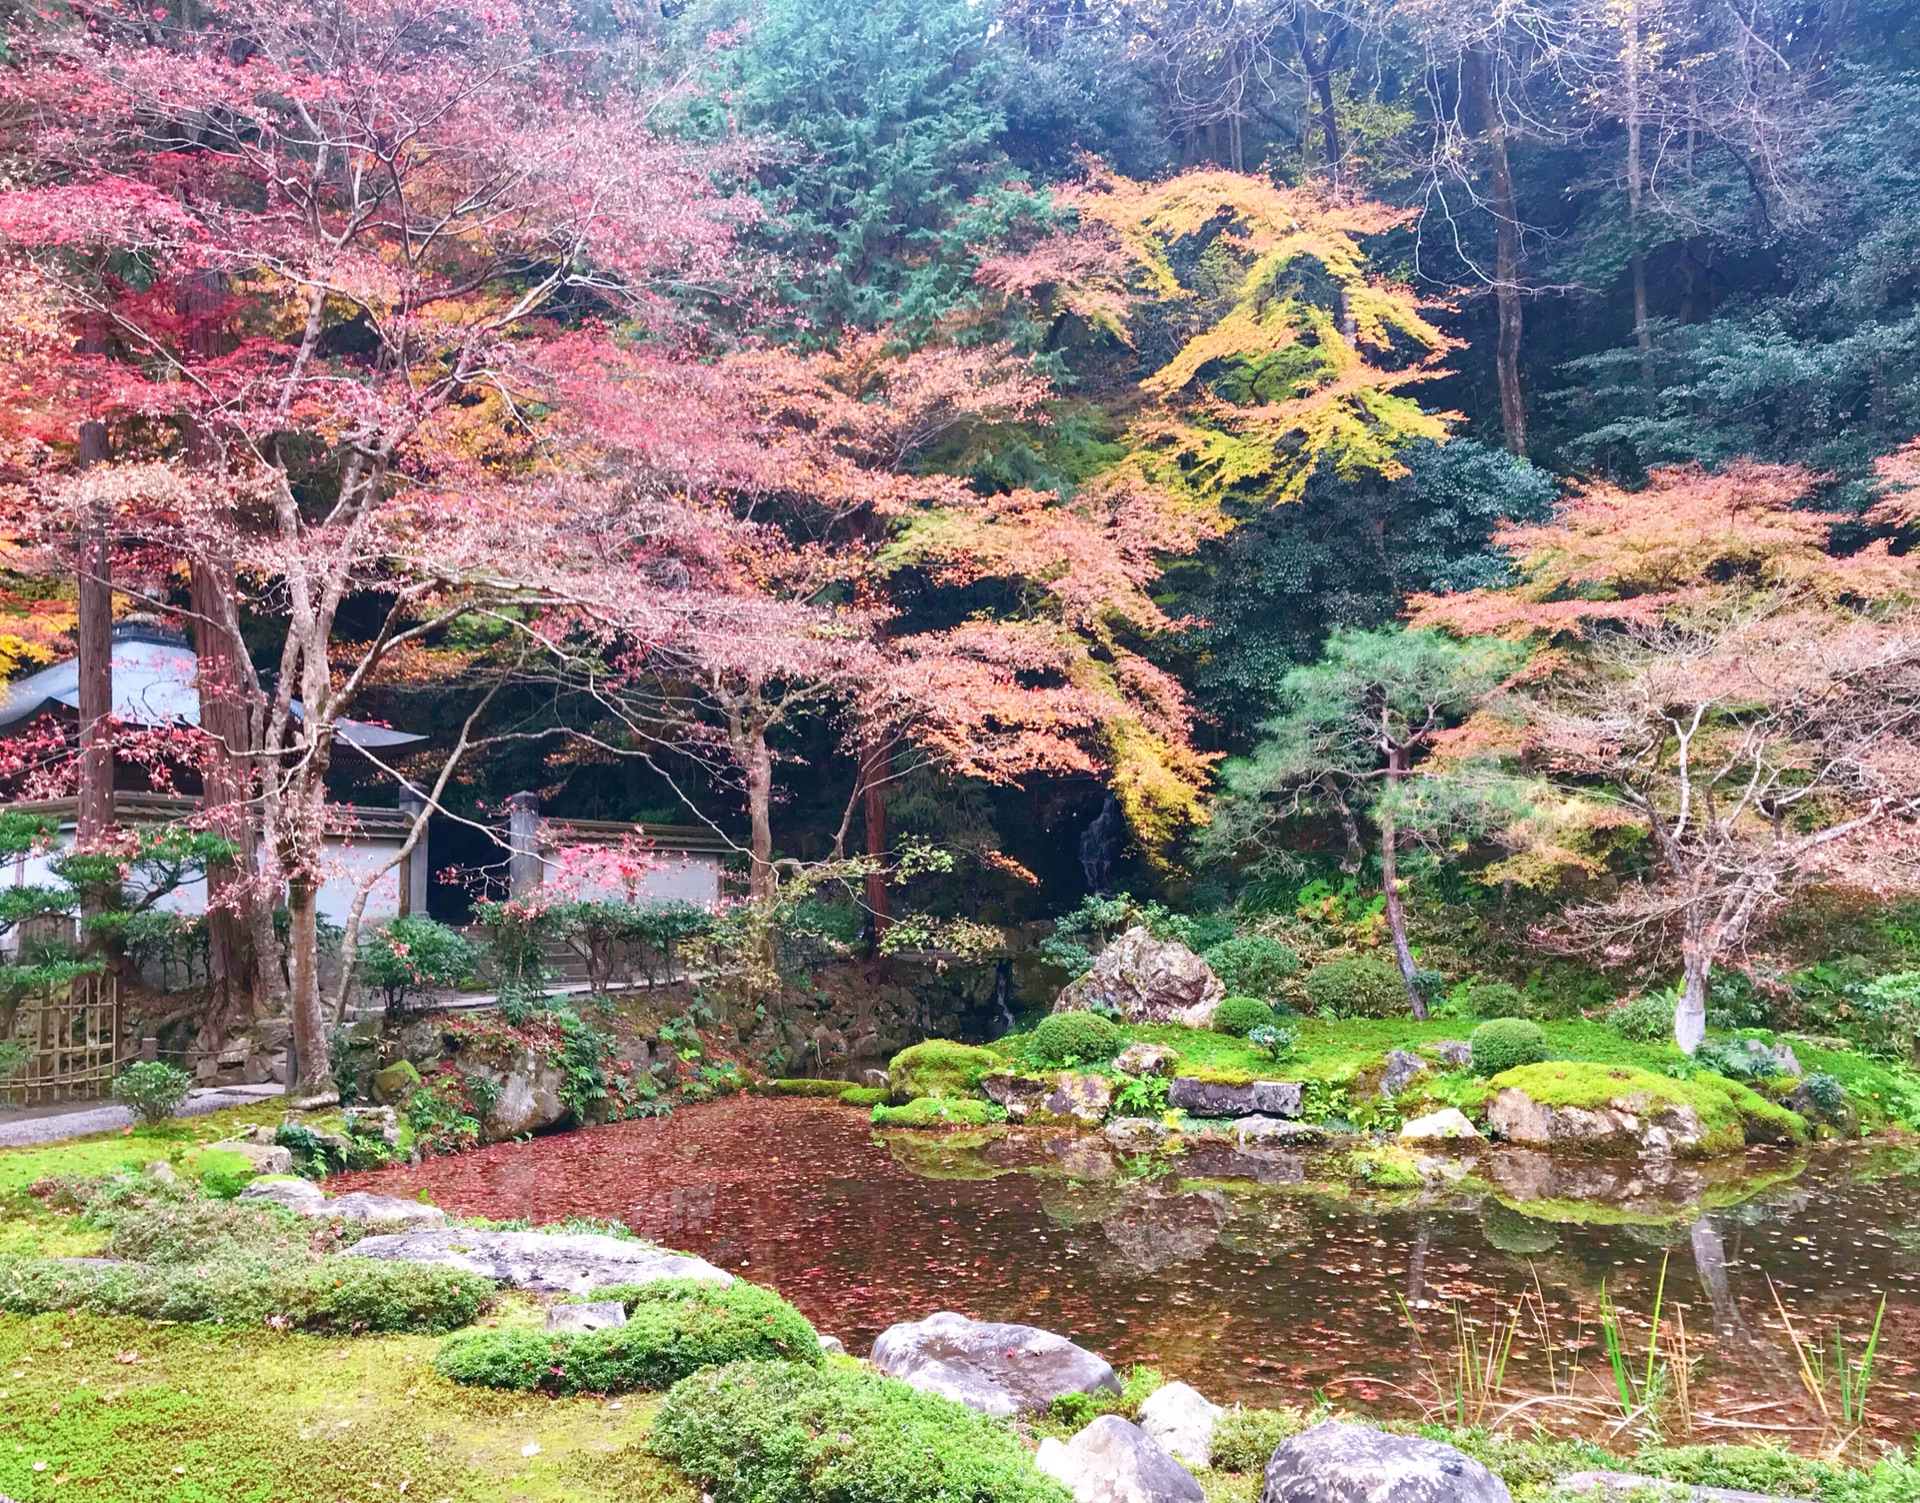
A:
{"points": [[1239, 1016], [1074, 1038], [1367, 986], [674, 1327], [1506, 1044], [336, 1295], [772, 1432]]}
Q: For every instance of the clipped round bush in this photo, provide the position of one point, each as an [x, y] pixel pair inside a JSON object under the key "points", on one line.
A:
{"points": [[774, 1432], [1505, 1044], [153, 1090], [1239, 1016], [1252, 965], [1495, 999], [674, 1327], [938, 1067], [1367, 986], [1074, 1038]]}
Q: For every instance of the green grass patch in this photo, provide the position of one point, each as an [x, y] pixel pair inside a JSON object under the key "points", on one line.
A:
{"points": [[935, 1111], [181, 1143]]}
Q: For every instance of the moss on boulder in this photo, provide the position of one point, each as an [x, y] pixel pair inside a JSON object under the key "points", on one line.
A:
{"points": [[938, 1067], [1618, 1109]]}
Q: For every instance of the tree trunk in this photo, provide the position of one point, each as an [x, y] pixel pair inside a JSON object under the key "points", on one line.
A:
{"points": [[314, 1080], [234, 991], [873, 804], [759, 768], [96, 665], [1690, 1013], [1506, 263], [1396, 915], [1642, 335], [1319, 70]]}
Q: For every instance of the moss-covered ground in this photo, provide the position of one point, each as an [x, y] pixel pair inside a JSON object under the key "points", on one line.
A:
{"points": [[183, 1143]]}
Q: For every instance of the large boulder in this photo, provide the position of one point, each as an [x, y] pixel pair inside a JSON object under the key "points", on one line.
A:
{"points": [[526, 1098], [1147, 980], [395, 1085], [571, 1263], [1064, 1099], [1258, 1098], [997, 1369], [1401, 1068], [1342, 1463], [1146, 1059], [1182, 1419], [307, 1198], [1113, 1461], [1447, 1125]]}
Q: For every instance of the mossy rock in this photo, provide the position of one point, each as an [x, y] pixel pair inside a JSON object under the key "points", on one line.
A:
{"points": [[1517, 1234], [938, 1067], [831, 1090], [394, 1085], [1615, 1109], [862, 1096], [935, 1111]]}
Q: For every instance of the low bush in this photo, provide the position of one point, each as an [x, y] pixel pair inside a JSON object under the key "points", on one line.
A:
{"points": [[1074, 1038], [938, 1067], [1826, 1093], [1646, 1019], [1505, 1044], [935, 1111], [1239, 1016], [1275, 1040], [148, 1222], [336, 1295], [674, 1327], [1887, 1015], [1367, 986], [1244, 1439], [152, 1090], [1252, 964], [411, 959], [1494, 999], [774, 1432], [1142, 1096]]}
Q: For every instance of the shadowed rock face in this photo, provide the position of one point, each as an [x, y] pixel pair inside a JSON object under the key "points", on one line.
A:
{"points": [[1078, 1100], [1147, 980], [552, 1262], [1340, 1463], [997, 1369], [1631, 1124], [1260, 1098], [1657, 1187]]}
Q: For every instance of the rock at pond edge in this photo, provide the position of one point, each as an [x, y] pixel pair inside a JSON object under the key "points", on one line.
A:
{"points": [[997, 1369], [1115, 1461], [557, 1262], [1182, 1419], [1337, 1462], [1259, 1098]]}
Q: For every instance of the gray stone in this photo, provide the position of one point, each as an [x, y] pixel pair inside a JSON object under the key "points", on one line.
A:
{"points": [[266, 1158], [1275, 1132], [596, 1316], [1137, 1134], [1606, 1487], [573, 1263], [1400, 1071], [1261, 1098], [380, 1122], [1455, 1054], [832, 1346], [1341, 1463], [526, 1100], [1631, 1123], [1067, 1098], [1113, 1461], [1447, 1125], [301, 1195], [1147, 980], [997, 1369], [1182, 1419], [382, 1210], [161, 1172], [1145, 1059]]}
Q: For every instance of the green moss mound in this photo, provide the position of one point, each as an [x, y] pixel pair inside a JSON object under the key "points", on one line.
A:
{"points": [[935, 1111], [1506, 1044], [1074, 1038], [343, 1294], [1731, 1113], [863, 1096], [674, 1327], [1244, 1439], [828, 1089], [1368, 986], [772, 1432], [1239, 1016], [939, 1067]]}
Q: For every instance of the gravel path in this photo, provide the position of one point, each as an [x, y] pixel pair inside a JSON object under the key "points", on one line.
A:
{"points": [[18, 1131]]}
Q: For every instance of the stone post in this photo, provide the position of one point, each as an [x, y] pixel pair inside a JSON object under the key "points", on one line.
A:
{"points": [[523, 844], [416, 866]]}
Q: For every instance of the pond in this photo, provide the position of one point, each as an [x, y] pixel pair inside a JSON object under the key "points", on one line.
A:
{"points": [[1264, 1278]]}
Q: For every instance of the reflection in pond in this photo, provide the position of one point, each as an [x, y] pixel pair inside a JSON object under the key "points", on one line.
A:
{"points": [[1257, 1276]]}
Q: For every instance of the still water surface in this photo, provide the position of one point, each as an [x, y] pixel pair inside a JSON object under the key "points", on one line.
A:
{"points": [[1261, 1279]]}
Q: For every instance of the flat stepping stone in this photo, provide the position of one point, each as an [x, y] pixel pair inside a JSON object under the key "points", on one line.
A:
{"points": [[998, 1369], [553, 1263]]}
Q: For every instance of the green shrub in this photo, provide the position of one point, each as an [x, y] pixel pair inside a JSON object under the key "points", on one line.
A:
{"points": [[939, 1067], [1505, 1044], [674, 1327], [863, 1096], [1252, 964], [413, 957], [935, 1111], [1887, 1015], [334, 1295], [1826, 1093], [1645, 1019], [1244, 1439], [1239, 1016], [772, 1432], [1074, 1038], [150, 1223], [1275, 1040], [1495, 999], [1367, 986], [153, 1090], [1142, 1096]]}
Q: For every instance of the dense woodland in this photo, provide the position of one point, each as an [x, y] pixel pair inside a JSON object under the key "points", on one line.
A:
{"points": [[1453, 463]]}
